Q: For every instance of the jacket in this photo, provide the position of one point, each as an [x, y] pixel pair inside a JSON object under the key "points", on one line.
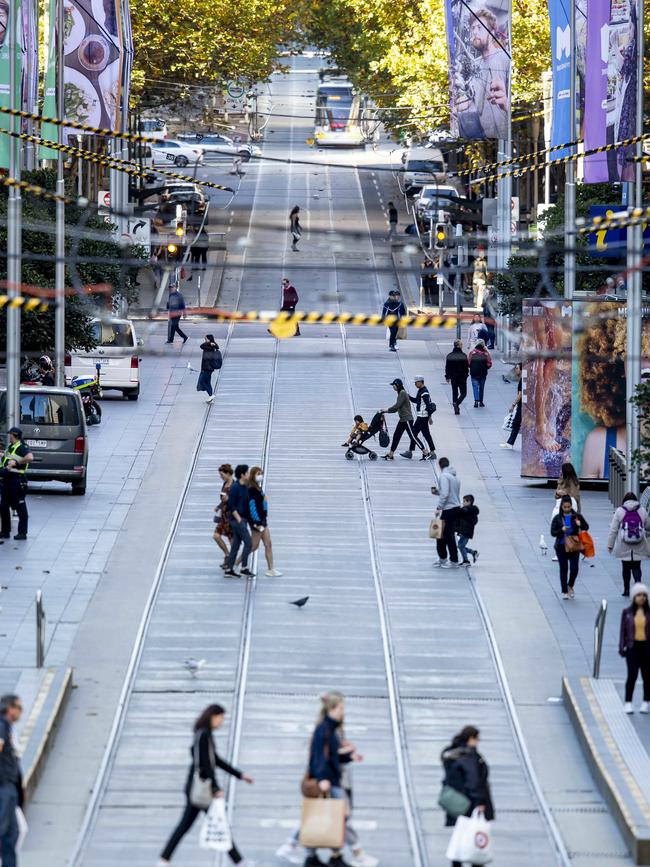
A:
{"points": [[211, 359], [175, 303], [448, 490], [257, 507], [480, 362], [424, 406], [466, 521], [237, 501], [626, 639], [324, 759], [402, 406], [456, 366], [557, 527], [393, 308], [617, 546], [289, 297], [466, 771], [567, 487], [208, 762]]}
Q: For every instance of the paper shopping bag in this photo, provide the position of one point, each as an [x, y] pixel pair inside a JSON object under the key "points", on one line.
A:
{"points": [[322, 825], [436, 528], [215, 831]]}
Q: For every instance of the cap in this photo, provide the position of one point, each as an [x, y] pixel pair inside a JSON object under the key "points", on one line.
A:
{"points": [[418, 378], [16, 431], [397, 382], [638, 588]]}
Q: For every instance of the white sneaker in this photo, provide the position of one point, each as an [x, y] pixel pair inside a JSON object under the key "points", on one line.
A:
{"points": [[572, 593], [438, 563], [362, 859], [273, 573], [506, 446], [447, 564], [628, 707], [565, 596], [290, 852], [645, 708], [209, 399]]}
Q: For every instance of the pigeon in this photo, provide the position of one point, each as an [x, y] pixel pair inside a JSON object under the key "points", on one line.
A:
{"points": [[543, 547], [193, 665], [300, 602], [193, 369]]}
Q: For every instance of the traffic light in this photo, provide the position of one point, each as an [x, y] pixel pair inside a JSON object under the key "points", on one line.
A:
{"points": [[172, 248], [440, 236]]}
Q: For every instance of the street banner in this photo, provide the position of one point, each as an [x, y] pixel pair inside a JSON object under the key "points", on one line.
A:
{"points": [[479, 62], [49, 130], [127, 59], [558, 11], [611, 81], [29, 64], [5, 72]]}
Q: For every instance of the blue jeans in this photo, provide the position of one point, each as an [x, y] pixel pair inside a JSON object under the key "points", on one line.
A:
{"points": [[8, 824], [462, 547], [240, 536], [478, 387]]}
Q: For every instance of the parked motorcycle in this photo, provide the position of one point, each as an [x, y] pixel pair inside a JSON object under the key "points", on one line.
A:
{"points": [[90, 392]]}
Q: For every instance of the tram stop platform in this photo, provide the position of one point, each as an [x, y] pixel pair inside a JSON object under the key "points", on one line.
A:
{"points": [[618, 760]]}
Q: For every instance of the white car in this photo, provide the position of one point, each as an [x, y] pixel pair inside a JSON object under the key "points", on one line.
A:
{"points": [[116, 351], [433, 198], [215, 145], [179, 153]]}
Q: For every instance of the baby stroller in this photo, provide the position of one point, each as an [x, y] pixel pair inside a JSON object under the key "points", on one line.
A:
{"points": [[376, 426]]}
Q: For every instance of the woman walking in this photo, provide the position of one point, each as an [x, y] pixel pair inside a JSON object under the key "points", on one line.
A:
{"points": [[205, 762], [627, 540], [634, 646], [466, 771], [211, 360], [222, 532], [565, 529], [568, 484], [258, 511], [480, 361], [295, 227], [516, 422]]}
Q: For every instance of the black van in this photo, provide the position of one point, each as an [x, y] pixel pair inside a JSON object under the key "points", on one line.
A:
{"points": [[54, 427]]}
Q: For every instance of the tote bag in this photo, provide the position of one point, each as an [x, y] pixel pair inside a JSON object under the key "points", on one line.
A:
{"points": [[322, 824], [471, 840], [215, 831]]}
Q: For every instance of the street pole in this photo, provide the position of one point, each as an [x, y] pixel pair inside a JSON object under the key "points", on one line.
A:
{"points": [[14, 232], [634, 284], [570, 187], [59, 268]]}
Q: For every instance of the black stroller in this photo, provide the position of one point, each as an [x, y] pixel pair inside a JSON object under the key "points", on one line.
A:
{"points": [[376, 426]]}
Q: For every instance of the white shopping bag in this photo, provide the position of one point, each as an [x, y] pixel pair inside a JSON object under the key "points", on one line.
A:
{"points": [[471, 840], [509, 420], [23, 828], [215, 831]]}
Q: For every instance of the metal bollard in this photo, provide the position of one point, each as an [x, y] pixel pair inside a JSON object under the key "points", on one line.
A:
{"points": [[599, 630], [40, 630]]}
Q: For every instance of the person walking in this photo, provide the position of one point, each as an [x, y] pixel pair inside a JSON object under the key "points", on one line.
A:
{"points": [[568, 484], [456, 373], [205, 761], [258, 512], [465, 526], [477, 331], [11, 785], [211, 360], [238, 516], [294, 227], [429, 291], [402, 407], [176, 308], [634, 646], [393, 306], [489, 312], [480, 362], [627, 540], [222, 532], [393, 219], [467, 771], [14, 462], [516, 422], [290, 300], [424, 410], [565, 528], [448, 509], [479, 277], [199, 250]]}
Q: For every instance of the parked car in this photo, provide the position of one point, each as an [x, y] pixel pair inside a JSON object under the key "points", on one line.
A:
{"points": [[422, 165], [179, 153], [216, 144], [433, 198], [116, 350], [54, 427]]}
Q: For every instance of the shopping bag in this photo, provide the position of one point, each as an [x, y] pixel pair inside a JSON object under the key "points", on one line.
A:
{"points": [[436, 528], [402, 333], [508, 421], [322, 824], [215, 831], [471, 840], [23, 828], [588, 547]]}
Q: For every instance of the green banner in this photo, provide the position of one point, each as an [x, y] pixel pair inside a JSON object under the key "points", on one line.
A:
{"points": [[49, 130], [5, 74]]}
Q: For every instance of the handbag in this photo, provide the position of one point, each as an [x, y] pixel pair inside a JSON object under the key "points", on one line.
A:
{"points": [[215, 831], [573, 545], [322, 823], [471, 840], [402, 333], [200, 789], [588, 547], [436, 528], [453, 802], [508, 421]]}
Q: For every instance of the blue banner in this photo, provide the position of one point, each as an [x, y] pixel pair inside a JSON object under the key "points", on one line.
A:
{"points": [[612, 243], [558, 12]]}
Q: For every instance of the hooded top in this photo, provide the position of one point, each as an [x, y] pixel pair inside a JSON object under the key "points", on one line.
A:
{"points": [[621, 549], [448, 490]]}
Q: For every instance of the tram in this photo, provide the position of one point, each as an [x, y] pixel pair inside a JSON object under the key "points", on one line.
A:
{"points": [[339, 112]]}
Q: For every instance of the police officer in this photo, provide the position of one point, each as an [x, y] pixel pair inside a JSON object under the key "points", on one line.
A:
{"points": [[13, 465]]}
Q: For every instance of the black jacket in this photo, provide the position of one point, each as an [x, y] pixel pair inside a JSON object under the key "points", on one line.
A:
{"points": [[211, 359], [466, 520], [557, 527], [422, 401], [456, 366], [324, 759], [393, 308], [208, 762], [466, 771]]}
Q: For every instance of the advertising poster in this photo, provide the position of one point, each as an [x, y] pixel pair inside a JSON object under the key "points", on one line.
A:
{"points": [[574, 402], [479, 56], [611, 80], [558, 11], [5, 69]]}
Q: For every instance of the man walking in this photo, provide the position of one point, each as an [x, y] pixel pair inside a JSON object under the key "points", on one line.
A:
{"points": [[11, 794], [402, 407], [238, 511], [448, 509], [176, 307], [393, 218], [393, 306], [456, 373], [290, 300], [424, 410], [13, 465]]}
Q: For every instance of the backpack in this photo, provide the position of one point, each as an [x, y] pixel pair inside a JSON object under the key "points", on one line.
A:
{"points": [[632, 529]]}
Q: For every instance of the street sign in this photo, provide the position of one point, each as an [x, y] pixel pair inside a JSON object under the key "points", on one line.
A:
{"points": [[611, 242], [235, 90], [139, 232]]}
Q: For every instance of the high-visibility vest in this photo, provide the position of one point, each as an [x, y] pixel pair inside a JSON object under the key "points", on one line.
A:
{"points": [[10, 455]]}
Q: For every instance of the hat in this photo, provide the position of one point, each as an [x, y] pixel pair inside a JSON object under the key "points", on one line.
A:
{"points": [[638, 588], [16, 431], [397, 382], [418, 378]]}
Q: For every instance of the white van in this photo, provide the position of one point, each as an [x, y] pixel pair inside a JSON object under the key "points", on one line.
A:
{"points": [[422, 166], [116, 350]]}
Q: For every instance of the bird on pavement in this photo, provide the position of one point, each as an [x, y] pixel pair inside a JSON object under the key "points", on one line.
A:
{"points": [[193, 369], [300, 602], [543, 547], [193, 665]]}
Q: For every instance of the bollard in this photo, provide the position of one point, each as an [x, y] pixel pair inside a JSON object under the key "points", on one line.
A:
{"points": [[599, 630], [40, 630]]}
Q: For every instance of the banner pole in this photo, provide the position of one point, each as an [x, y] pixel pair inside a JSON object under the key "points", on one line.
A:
{"points": [[570, 186], [14, 229], [59, 269]]}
